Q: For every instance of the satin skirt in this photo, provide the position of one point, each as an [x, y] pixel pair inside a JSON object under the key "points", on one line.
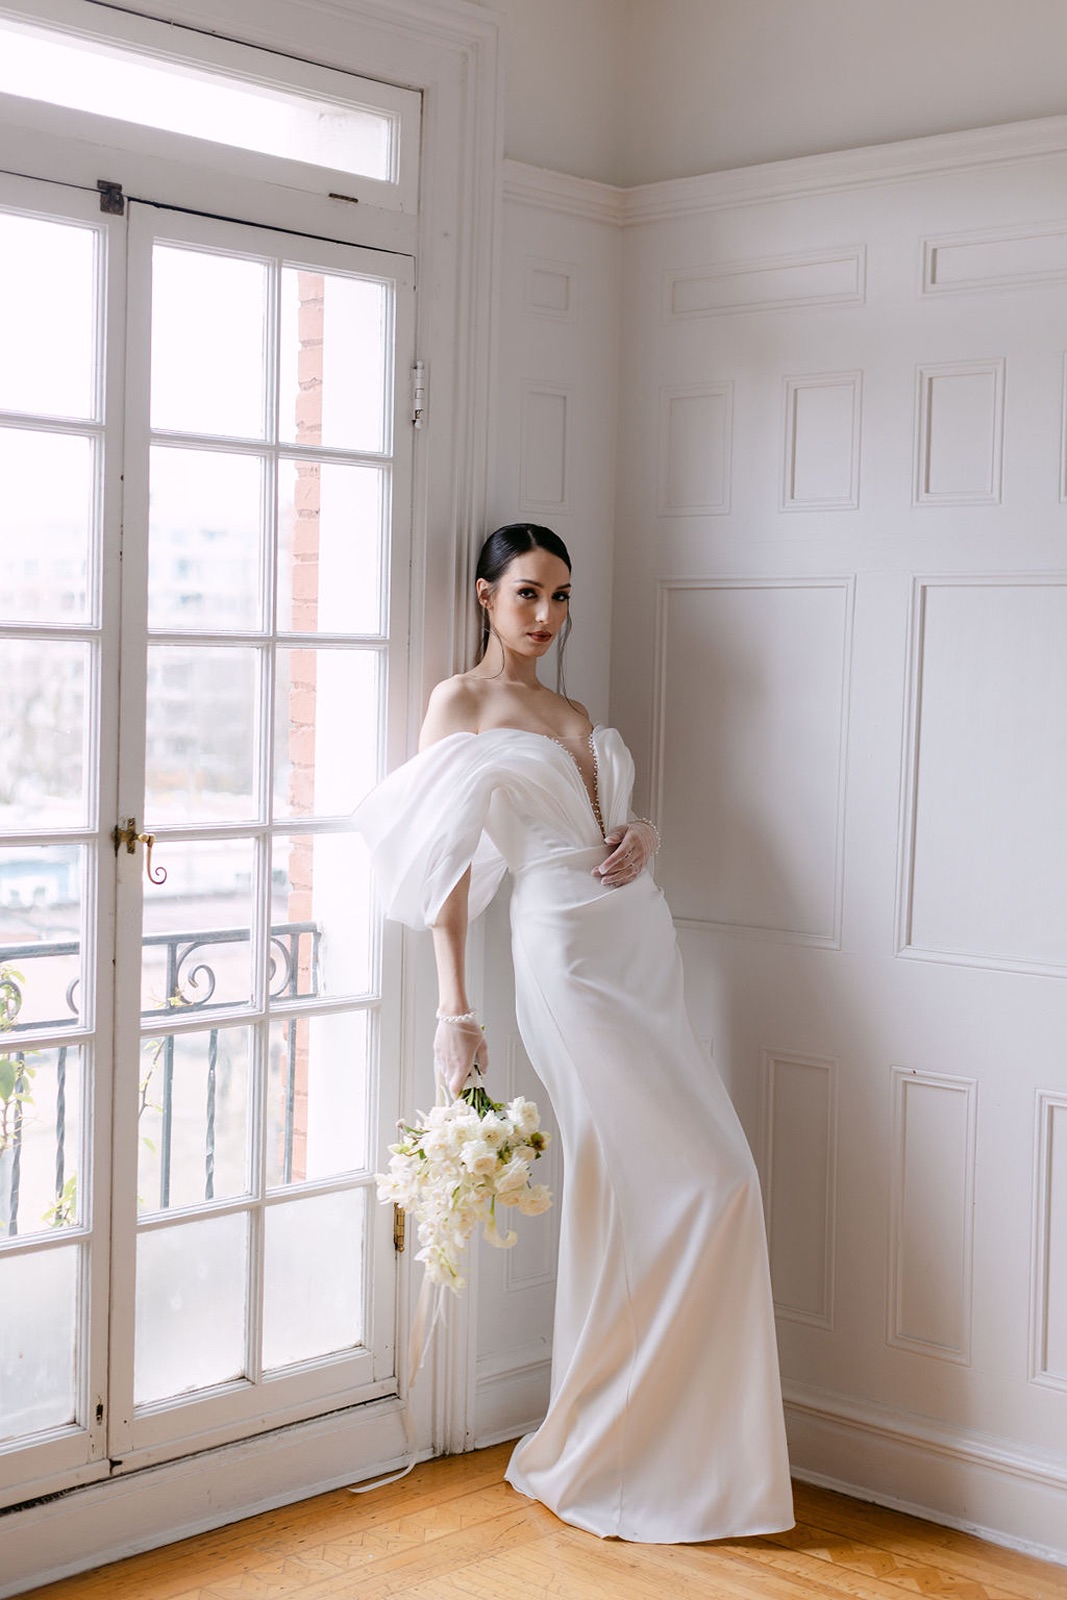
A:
{"points": [[665, 1418]]}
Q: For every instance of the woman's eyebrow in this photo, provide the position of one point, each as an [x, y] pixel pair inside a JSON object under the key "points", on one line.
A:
{"points": [[532, 583]]}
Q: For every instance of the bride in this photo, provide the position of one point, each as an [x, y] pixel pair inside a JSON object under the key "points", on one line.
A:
{"points": [[665, 1418]]}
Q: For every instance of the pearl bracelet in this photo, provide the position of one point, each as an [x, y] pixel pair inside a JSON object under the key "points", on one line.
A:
{"points": [[650, 824], [465, 1016]]}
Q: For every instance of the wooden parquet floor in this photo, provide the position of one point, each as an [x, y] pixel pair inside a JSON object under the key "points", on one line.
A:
{"points": [[453, 1530]]}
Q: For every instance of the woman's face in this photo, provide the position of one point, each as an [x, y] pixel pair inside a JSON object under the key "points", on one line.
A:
{"points": [[529, 604]]}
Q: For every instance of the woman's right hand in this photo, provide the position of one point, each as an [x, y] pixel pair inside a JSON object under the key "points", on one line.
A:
{"points": [[458, 1047]]}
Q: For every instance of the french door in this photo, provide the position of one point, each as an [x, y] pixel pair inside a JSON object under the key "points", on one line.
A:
{"points": [[208, 454]]}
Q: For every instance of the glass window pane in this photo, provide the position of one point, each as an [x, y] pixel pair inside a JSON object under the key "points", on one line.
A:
{"points": [[190, 1313], [321, 883], [209, 336], [317, 1097], [42, 733], [40, 933], [40, 1139], [47, 316], [38, 1330], [331, 524], [193, 1118], [45, 524], [201, 734], [113, 82], [313, 1272], [334, 360], [325, 744], [204, 540], [196, 948]]}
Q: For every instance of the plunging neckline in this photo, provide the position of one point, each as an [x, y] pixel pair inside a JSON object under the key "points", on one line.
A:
{"points": [[592, 795]]}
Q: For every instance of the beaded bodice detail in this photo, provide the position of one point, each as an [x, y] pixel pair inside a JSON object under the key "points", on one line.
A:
{"points": [[594, 792]]}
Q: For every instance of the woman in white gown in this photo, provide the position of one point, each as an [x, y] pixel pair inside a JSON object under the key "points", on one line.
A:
{"points": [[665, 1418]]}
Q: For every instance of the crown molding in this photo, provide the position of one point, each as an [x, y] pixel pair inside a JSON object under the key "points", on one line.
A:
{"points": [[559, 191], [869, 166]]}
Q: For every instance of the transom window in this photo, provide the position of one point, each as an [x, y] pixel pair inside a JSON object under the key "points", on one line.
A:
{"points": [[179, 81]]}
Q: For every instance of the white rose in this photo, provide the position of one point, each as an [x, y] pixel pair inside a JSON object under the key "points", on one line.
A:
{"points": [[535, 1199], [523, 1114], [493, 1130], [478, 1157]]}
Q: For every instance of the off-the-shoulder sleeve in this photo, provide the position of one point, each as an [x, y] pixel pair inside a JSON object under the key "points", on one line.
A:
{"points": [[424, 825]]}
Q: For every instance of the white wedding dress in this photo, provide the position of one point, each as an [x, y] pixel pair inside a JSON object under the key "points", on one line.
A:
{"points": [[665, 1419]]}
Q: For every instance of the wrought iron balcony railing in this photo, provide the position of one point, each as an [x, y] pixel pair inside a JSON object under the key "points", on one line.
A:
{"points": [[190, 983]]}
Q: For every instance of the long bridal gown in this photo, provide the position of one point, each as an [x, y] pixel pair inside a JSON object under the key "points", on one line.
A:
{"points": [[665, 1418]]}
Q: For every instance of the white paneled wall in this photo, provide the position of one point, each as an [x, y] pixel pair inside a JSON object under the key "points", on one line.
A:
{"points": [[839, 654], [838, 582]]}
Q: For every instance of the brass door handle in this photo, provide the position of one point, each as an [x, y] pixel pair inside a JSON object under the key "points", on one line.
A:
{"points": [[130, 837]]}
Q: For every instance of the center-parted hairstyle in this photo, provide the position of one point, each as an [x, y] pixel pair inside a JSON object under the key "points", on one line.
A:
{"points": [[500, 550]]}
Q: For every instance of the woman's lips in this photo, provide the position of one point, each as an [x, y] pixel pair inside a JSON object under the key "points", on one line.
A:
{"points": [[541, 638]]}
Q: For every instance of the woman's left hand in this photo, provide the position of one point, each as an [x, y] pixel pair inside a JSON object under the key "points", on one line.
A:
{"points": [[632, 848]]}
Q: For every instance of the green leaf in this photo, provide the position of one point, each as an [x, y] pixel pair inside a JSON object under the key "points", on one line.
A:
{"points": [[8, 1074]]}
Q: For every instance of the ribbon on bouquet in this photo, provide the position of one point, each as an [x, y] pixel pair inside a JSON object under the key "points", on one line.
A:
{"points": [[428, 1310]]}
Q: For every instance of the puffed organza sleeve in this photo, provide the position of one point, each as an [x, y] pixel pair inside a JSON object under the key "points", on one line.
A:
{"points": [[424, 825]]}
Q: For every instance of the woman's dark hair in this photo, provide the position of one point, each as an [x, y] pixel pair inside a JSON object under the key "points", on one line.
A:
{"points": [[497, 554]]}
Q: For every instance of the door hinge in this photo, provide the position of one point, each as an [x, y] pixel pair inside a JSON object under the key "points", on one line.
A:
{"points": [[418, 399], [400, 1219], [112, 199]]}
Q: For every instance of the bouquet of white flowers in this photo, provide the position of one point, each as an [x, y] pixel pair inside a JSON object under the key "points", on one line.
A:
{"points": [[452, 1169]]}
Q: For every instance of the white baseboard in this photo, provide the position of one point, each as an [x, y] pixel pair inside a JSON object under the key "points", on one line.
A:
{"points": [[984, 1485], [106, 1521], [511, 1393]]}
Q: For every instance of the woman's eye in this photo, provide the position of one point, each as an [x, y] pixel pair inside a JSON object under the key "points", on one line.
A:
{"points": [[563, 597], [527, 594]]}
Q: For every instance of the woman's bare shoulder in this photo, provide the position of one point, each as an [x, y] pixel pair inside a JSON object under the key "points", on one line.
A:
{"points": [[453, 707]]}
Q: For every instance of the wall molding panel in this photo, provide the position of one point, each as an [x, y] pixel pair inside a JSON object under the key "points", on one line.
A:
{"points": [[1005, 258], [834, 277], [805, 278], [821, 470], [550, 289], [959, 433], [960, 802], [1049, 1314], [932, 1214], [1063, 436], [799, 1178], [696, 441], [544, 448], [773, 659]]}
